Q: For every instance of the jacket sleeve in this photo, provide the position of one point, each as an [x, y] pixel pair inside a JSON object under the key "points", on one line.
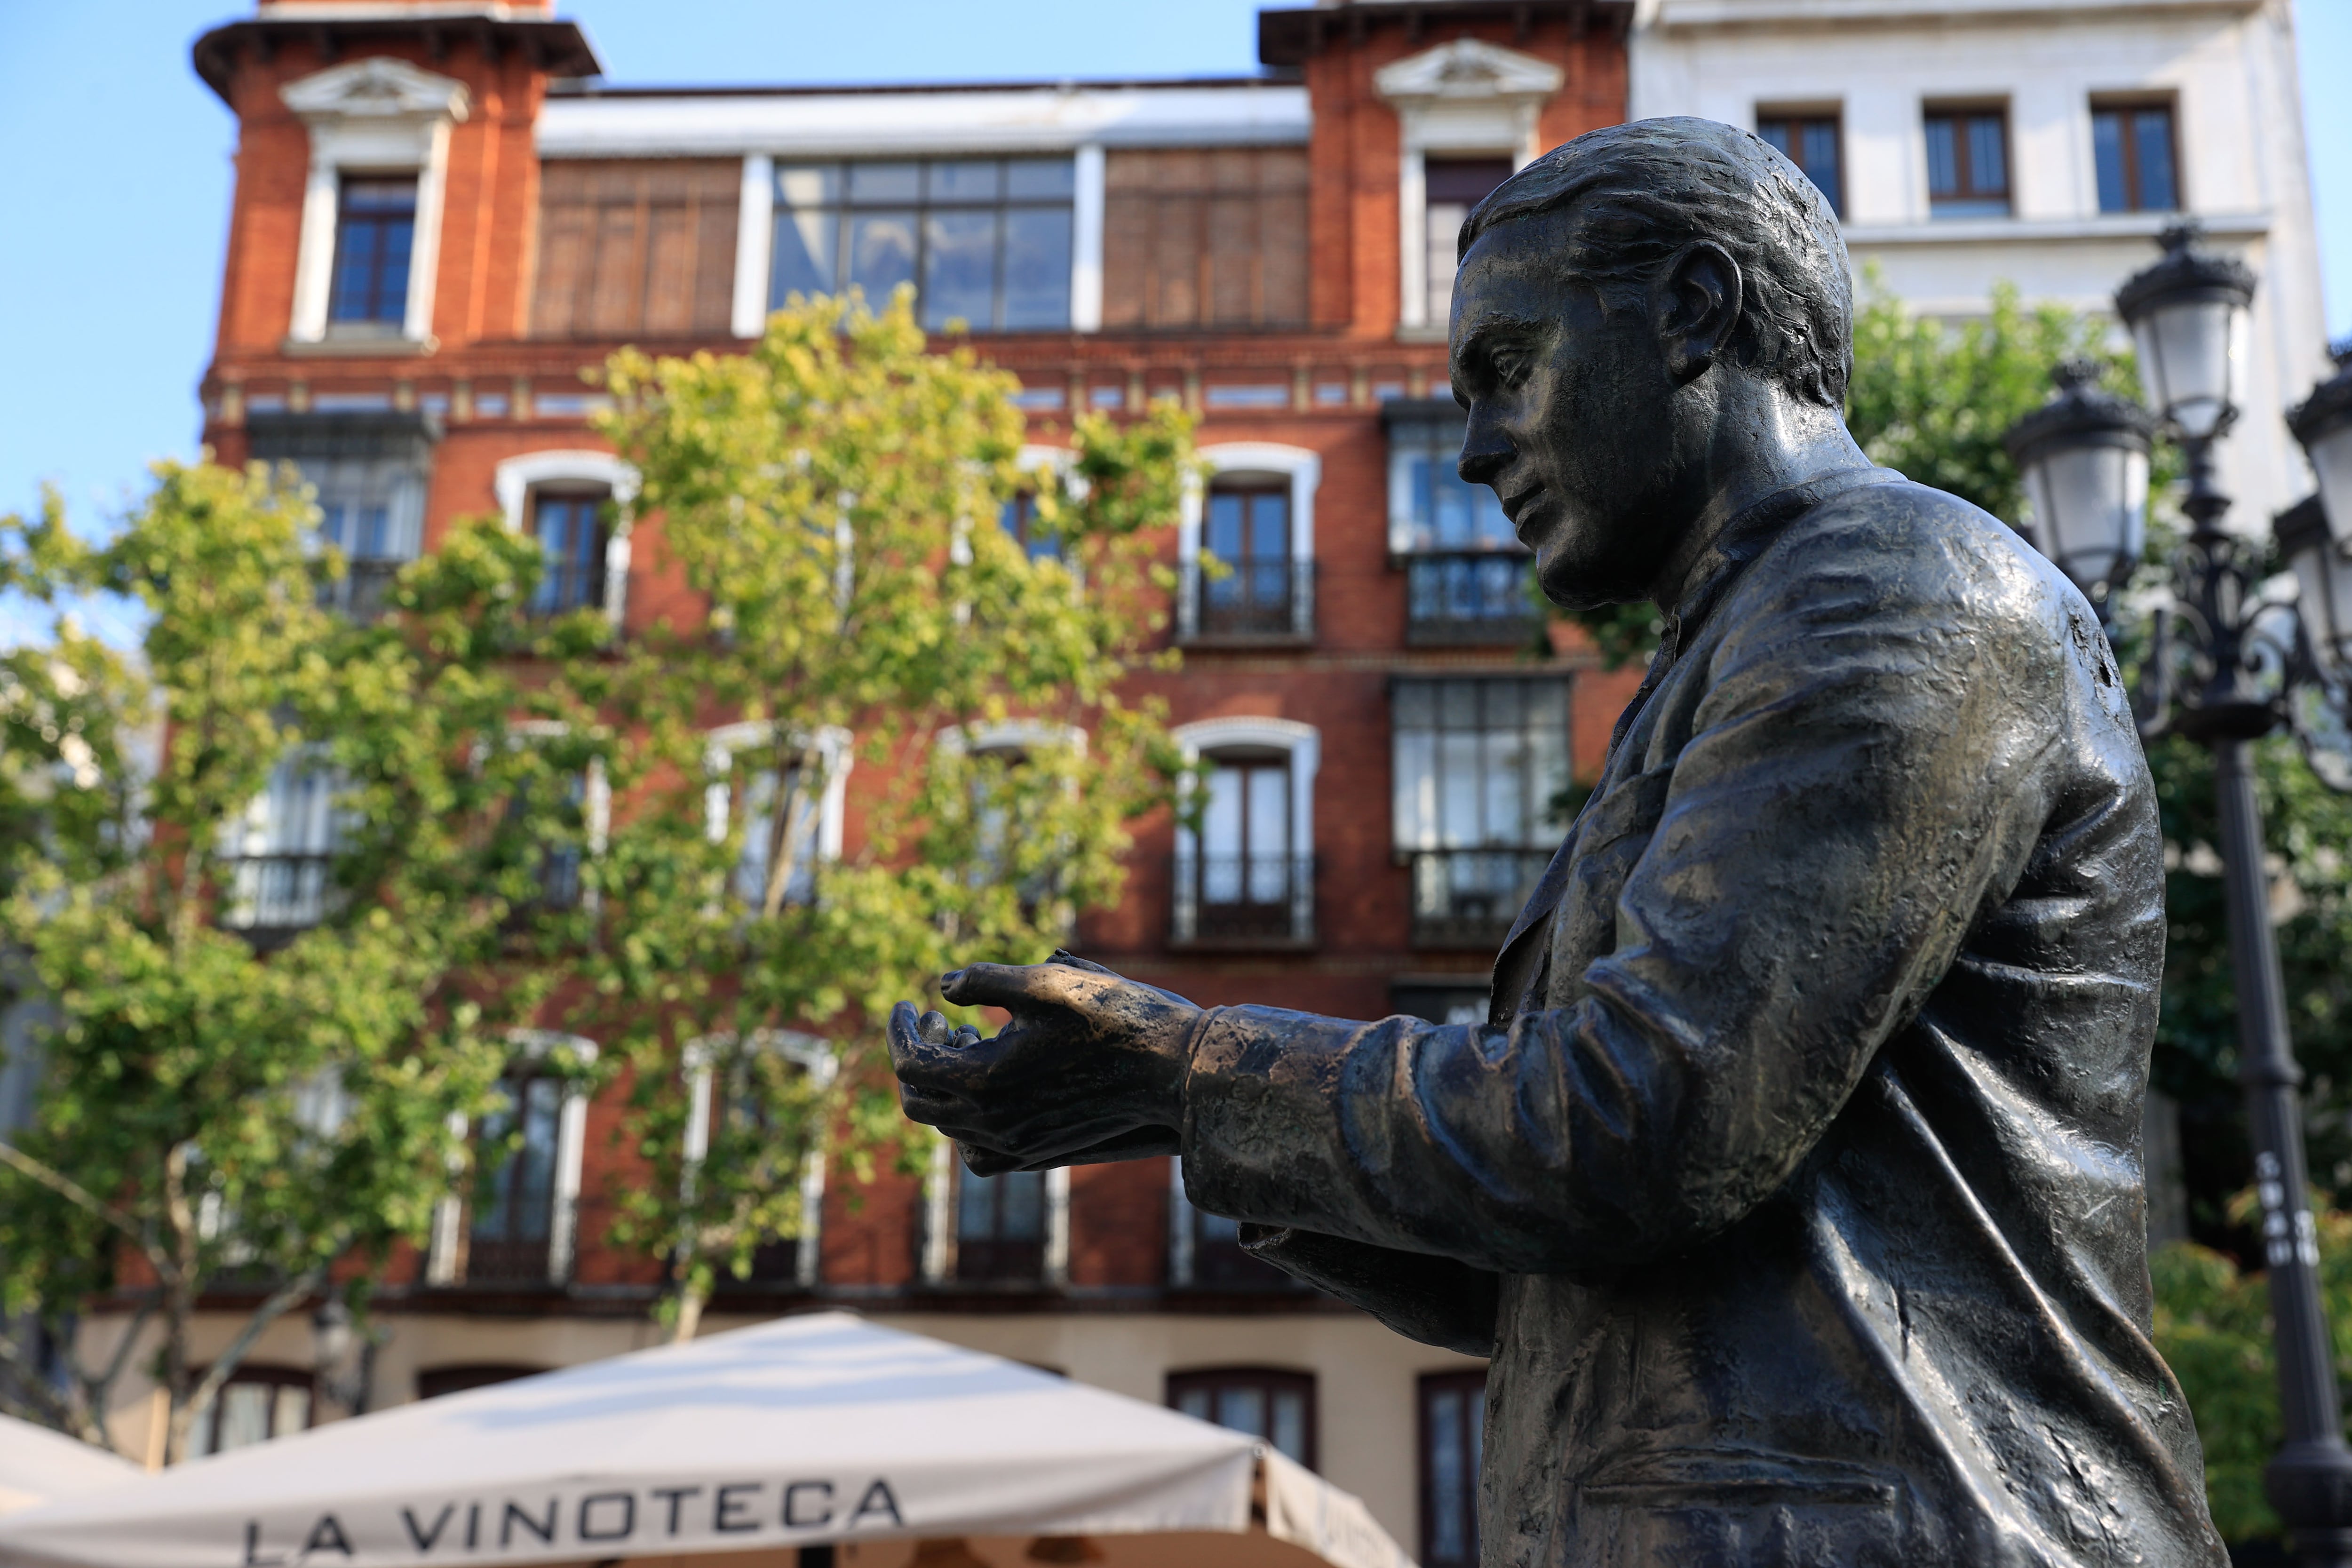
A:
{"points": [[1864, 772], [1435, 1300]]}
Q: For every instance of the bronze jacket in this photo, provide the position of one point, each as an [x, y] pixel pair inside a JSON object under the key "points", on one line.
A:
{"points": [[1794, 1185]]}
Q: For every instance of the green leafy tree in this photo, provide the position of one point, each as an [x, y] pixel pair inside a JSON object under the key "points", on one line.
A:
{"points": [[215, 1110], [876, 635]]}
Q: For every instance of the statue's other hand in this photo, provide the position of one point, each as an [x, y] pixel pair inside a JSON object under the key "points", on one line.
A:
{"points": [[1091, 1066]]}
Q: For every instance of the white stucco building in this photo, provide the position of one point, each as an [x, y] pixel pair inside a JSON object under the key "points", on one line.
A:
{"points": [[2041, 141]]}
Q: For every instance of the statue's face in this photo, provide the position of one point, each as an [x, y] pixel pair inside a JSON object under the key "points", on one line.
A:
{"points": [[1572, 415]]}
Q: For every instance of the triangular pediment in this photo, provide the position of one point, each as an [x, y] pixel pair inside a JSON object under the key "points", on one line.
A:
{"points": [[374, 88], [1468, 68]]}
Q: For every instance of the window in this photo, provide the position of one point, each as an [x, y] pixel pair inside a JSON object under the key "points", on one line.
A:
{"points": [[1000, 1226], [987, 241], [736, 1093], [1968, 163], [1452, 1435], [1467, 575], [368, 470], [256, 1405], [2132, 145], [757, 783], [514, 1205], [1204, 237], [280, 859], [1809, 141], [1248, 531], [375, 222], [1019, 518], [1452, 186], [635, 246], [437, 1381], [1279, 1406], [570, 524], [1246, 879], [1480, 769]]}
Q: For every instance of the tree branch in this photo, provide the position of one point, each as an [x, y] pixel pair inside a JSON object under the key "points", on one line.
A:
{"points": [[54, 1409], [224, 1364], [81, 1197]]}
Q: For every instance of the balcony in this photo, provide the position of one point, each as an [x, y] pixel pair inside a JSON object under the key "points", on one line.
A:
{"points": [[1249, 603], [365, 591], [1469, 598], [1244, 900], [568, 586], [270, 897], [1468, 898], [521, 1246]]}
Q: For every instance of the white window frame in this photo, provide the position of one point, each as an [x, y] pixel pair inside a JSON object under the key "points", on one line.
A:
{"points": [[1303, 744], [1302, 469], [837, 754], [816, 1057], [1466, 98], [939, 1257], [450, 1216], [374, 114], [515, 478]]}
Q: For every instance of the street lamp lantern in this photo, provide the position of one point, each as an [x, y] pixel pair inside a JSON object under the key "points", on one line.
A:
{"points": [[2323, 575], [2324, 425], [2187, 319], [2254, 667], [2084, 456]]}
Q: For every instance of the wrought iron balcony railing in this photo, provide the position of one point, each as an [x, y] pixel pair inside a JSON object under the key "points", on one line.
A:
{"points": [[568, 586], [1468, 898], [1469, 596], [1245, 899], [1248, 601], [277, 894]]}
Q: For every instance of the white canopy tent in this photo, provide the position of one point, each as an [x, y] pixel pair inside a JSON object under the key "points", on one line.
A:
{"points": [[38, 1465], [805, 1431]]}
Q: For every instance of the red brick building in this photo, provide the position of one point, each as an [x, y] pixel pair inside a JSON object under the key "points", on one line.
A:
{"points": [[443, 217]]}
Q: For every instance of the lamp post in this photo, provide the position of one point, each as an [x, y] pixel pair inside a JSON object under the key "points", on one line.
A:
{"points": [[2250, 666]]}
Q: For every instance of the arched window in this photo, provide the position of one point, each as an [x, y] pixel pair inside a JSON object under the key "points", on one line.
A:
{"points": [[719, 1095], [1245, 877], [786, 800], [577, 505], [1255, 518], [519, 1227]]}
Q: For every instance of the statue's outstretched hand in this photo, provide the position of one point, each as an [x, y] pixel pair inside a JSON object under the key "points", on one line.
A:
{"points": [[1091, 1066]]}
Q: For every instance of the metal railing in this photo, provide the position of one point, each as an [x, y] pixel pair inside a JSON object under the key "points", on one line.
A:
{"points": [[1469, 596], [567, 585], [1249, 599], [1468, 898], [365, 590], [1245, 898], [525, 1259], [271, 894]]}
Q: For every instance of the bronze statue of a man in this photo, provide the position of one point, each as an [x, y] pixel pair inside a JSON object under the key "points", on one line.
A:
{"points": [[1794, 1185]]}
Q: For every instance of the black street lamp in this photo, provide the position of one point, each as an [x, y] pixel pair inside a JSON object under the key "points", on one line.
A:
{"points": [[2247, 667]]}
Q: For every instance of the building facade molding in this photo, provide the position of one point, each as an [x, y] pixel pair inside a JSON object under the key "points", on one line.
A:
{"points": [[377, 114]]}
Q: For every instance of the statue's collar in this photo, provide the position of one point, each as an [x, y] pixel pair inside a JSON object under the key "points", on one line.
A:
{"points": [[1743, 537]]}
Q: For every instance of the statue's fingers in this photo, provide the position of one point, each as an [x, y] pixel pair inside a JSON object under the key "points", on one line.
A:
{"points": [[1021, 987], [934, 1059]]}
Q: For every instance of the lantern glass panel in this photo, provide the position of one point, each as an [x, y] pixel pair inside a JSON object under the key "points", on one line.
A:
{"points": [[2193, 355], [2323, 584], [2090, 510], [2331, 460]]}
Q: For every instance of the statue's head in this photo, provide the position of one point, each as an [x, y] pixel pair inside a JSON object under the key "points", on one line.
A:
{"points": [[1620, 301]]}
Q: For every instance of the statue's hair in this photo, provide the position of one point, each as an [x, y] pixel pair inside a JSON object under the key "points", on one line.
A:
{"points": [[1643, 191]]}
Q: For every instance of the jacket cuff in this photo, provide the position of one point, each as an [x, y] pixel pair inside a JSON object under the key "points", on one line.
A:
{"points": [[1261, 1128]]}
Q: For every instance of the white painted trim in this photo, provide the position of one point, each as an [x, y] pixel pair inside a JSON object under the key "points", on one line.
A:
{"points": [[1304, 742], [1304, 468], [834, 745], [512, 481], [1463, 96], [938, 1216], [755, 234], [816, 1055], [1012, 734], [980, 121], [377, 113], [1056, 1271], [1086, 241], [448, 1216]]}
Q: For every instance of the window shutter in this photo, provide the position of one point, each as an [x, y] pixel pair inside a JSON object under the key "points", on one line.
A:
{"points": [[636, 245]]}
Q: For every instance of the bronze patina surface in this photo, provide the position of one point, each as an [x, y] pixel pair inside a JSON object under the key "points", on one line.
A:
{"points": [[1794, 1184]]}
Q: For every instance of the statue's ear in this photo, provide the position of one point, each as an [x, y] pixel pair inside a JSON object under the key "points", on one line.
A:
{"points": [[1695, 306]]}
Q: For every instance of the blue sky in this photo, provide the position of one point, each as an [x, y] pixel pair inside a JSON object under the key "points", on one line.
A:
{"points": [[117, 183]]}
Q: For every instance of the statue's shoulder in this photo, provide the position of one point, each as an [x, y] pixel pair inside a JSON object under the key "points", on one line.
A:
{"points": [[1900, 545]]}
